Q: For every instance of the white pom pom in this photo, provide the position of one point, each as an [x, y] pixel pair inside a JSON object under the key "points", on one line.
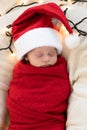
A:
{"points": [[72, 41]]}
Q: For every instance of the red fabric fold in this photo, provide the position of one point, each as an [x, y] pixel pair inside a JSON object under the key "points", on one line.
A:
{"points": [[37, 97]]}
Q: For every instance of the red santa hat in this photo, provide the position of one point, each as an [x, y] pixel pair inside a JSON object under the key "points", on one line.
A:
{"points": [[35, 27]]}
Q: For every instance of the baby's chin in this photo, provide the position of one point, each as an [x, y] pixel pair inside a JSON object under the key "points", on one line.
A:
{"points": [[48, 65], [45, 65]]}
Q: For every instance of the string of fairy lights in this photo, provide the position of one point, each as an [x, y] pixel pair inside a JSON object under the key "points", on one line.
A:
{"points": [[74, 25]]}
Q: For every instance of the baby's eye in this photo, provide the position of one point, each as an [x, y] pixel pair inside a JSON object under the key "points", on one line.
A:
{"points": [[52, 53], [39, 55]]}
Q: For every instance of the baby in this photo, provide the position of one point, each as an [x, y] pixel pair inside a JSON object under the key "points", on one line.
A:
{"points": [[39, 91], [38, 94]]}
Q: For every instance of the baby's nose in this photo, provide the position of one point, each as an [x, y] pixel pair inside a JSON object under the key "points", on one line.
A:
{"points": [[46, 58]]}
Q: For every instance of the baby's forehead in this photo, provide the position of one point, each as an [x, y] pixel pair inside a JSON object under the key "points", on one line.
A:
{"points": [[44, 48]]}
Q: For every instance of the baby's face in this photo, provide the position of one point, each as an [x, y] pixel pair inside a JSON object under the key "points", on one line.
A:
{"points": [[42, 56]]}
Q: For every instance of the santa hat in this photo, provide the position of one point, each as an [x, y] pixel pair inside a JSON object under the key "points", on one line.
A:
{"points": [[36, 28]]}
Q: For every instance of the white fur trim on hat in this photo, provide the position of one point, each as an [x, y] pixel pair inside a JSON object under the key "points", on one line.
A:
{"points": [[36, 38], [72, 41]]}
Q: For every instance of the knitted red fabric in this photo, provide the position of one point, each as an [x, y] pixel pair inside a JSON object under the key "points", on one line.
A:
{"points": [[37, 17], [37, 98]]}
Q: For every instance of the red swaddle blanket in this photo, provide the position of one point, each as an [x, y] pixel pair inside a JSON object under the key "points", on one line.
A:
{"points": [[37, 98]]}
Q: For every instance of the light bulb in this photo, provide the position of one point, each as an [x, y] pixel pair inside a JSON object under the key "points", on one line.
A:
{"points": [[41, 1], [23, 1], [13, 54]]}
